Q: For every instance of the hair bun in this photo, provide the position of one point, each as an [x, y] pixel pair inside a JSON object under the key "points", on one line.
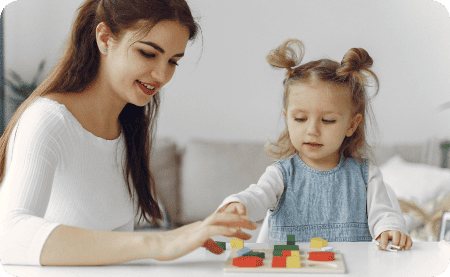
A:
{"points": [[288, 55], [355, 61]]}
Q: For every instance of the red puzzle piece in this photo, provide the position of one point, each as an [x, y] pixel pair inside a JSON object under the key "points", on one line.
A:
{"points": [[321, 256], [248, 261], [286, 253], [279, 261]]}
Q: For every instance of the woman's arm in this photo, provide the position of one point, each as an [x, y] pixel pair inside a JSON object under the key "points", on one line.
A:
{"points": [[75, 246], [69, 245]]}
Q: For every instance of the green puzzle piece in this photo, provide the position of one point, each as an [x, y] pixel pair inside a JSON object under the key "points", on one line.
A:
{"points": [[286, 247]]}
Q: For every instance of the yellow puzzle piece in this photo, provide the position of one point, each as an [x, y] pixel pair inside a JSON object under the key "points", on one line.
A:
{"points": [[237, 243], [318, 243], [293, 262]]}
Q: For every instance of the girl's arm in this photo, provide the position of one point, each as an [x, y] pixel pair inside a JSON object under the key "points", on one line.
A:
{"points": [[382, 214], [260, 196]]}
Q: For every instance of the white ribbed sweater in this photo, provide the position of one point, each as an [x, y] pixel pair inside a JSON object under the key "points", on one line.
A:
{"points": [[58, 173]]}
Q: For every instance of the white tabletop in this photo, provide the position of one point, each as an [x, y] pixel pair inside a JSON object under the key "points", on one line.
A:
{"points": [[361, 259]]}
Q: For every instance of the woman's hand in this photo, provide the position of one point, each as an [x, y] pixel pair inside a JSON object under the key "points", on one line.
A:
{"points": [[179, 242], [397, 238]]}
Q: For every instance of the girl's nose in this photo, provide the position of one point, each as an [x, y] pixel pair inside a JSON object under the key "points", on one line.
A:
{"points": [[313, 128]]}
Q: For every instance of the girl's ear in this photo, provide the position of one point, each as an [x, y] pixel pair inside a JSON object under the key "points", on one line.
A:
{"points": [[103, 34], [354, 124]]}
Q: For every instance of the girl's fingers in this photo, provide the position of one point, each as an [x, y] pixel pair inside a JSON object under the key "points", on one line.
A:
{"points": [[384, 240], [408, 243], [396, 237], [231, 220], [403, 238]]}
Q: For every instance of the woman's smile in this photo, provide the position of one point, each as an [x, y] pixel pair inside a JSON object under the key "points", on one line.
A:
{"points": [[147, 88]]}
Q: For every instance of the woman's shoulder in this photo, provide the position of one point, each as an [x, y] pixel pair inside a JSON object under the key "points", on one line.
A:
{"points": [[43, 114]]}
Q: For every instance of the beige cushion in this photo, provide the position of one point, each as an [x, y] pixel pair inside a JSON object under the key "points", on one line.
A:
{"points": [[211, 171], [164, 167]]}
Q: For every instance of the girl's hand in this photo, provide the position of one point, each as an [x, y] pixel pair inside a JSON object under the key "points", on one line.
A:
{"points": [[179, 242], [234, 208], [397, 238]]}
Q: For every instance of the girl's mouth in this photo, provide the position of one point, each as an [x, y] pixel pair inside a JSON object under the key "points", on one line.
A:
{"points": [[314, 145], [147, 89]]}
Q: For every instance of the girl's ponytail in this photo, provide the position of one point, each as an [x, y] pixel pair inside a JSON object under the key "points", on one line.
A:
{"points": [[285, 56], [355, 67]]}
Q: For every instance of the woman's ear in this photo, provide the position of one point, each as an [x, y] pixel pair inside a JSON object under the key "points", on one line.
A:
{"points": [[103, 35], [354, 123]]}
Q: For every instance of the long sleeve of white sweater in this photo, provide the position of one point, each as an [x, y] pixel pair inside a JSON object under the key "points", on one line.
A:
{"points": [[264, 195], [58, 173]]}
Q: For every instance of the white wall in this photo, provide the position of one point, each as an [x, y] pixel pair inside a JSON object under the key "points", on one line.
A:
{"points": [[225, 90]]}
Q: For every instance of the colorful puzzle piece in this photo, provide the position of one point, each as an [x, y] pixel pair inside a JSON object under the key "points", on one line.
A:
{"points": [[293, 262], [318, 243], [237, 243], [277, 252], [243, 251], [222, 245], [248, 261], [279, 262], [328, 249], [262, 255], [295, 253], [286, 253], [321, 256], [290, 239], [286, 247]]}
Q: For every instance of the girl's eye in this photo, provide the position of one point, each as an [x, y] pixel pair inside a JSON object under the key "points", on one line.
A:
{"points": [[300, 119], [328, 121], [173, 62]]}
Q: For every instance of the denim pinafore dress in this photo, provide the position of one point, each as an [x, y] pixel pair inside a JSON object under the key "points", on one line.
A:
{"points": [[326, 204]]}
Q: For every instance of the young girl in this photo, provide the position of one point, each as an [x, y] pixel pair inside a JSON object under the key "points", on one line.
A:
{"points": [[322, 186], [74, 159]]}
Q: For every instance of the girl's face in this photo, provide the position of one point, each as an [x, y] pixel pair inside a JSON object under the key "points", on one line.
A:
{"points": [[318, 118], [136, 70]]}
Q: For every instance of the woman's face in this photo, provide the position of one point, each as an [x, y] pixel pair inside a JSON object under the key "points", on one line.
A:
{"points": [[137, 69]]}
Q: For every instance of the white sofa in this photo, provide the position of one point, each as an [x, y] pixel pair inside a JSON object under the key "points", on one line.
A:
{"points": [[192, 181]]}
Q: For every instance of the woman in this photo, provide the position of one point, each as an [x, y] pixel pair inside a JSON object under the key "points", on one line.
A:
{"points": [[75, 157]]}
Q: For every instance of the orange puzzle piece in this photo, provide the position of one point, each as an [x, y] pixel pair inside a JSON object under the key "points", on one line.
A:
{"points": [[279, 261], [321, 256], [248, 261], [286, 253]]}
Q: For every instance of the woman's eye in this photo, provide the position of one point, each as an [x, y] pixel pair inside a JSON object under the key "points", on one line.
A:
{"points": [[151, 55], [147, 55], [328, 121], [300, 119]]}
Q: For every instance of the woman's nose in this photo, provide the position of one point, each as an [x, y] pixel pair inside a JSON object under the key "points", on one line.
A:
{"points": [[158, 73]]}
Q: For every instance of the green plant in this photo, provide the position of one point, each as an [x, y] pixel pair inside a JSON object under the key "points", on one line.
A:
{"points": [[21, 88]]}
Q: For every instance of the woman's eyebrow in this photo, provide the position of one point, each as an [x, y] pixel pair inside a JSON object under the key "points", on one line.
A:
{"points": [[159, 48]]}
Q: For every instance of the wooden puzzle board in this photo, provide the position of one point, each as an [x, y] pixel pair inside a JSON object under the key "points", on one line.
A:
{"points": [[336, 266]]}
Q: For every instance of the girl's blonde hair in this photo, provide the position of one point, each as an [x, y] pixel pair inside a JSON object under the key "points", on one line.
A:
{"points": [[352, 72]]}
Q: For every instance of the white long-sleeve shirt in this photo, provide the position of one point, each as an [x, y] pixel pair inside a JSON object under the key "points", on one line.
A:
{"points": [[58, 173], [264, 195]]}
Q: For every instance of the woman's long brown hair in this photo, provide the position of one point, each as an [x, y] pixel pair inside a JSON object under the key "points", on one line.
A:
{"points": [[79, 67]]}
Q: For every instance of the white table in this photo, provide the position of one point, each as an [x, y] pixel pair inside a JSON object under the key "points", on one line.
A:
{"points": [[361, 259]]}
